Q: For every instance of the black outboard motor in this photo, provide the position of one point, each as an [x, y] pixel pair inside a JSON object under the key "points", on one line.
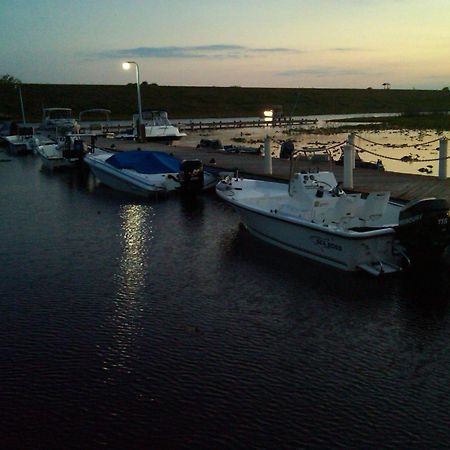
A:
{"points": [[424, 229], [287, 149], [191, 175], [73, 149]]}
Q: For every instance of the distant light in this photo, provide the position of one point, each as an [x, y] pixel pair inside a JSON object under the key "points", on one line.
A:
{"points": [[268, 113], [126, 65]]}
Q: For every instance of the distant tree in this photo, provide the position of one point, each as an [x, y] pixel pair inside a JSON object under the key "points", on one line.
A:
{"points": [[386, 85], [9, 79], [144, 83], [446, 89], [369, 88]]}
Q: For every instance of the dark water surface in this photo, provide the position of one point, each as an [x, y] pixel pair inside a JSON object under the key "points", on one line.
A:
{"points": [[159, 324]]}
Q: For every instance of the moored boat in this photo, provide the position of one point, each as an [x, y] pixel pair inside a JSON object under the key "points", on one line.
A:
{"points": [[21, 143], [156, 126], [313, 217], [146, 173], [67, 152]]}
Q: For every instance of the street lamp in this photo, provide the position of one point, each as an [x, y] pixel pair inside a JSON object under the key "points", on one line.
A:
{"points": [[126, 66], [17, 86]]}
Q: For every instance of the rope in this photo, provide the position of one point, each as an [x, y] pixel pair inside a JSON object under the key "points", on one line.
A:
{"points": [[399, 145], [398, 159]]}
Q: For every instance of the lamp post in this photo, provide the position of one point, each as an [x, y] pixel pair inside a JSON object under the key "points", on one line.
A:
{"points": [[126, 66], [17, 86]]}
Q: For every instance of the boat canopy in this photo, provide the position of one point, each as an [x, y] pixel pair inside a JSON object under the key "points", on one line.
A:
{"points": [[150, 162], [57, 113], [98, 111]]}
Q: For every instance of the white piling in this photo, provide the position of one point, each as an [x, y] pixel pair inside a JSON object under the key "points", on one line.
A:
{"points": [[349, 159], [267, 156], [443, 151], [351, 142]]}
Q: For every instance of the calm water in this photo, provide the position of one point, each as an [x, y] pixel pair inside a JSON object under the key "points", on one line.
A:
{"points": [[159, 324]]}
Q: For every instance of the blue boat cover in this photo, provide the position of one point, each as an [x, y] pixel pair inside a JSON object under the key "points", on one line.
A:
{"points": [[150, 162]]}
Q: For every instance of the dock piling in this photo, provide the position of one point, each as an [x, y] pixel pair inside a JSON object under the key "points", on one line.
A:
{"points": [[443, 161], [349, 161], [267, 156]]}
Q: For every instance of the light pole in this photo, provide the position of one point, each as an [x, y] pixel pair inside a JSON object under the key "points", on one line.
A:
{"points": [[126, 66], [21, 104]]}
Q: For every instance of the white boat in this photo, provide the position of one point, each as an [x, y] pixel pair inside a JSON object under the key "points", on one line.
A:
{"points": [[95, 121], [22, 143], [145, 173], [312, 217], [157, 126], [57, 121], [66, 152]]}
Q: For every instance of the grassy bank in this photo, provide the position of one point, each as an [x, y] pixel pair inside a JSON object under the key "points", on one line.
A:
{"points": [[417, 121], [202, 102]]}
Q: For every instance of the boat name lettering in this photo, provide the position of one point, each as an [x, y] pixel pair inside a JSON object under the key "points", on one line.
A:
{"points": [[326, 243]]}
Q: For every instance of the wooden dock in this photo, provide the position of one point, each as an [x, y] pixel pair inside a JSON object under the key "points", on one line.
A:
{"points": [[218, 124], [259, 123], [402, 186]]}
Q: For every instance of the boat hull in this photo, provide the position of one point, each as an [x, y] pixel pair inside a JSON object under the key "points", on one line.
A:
{"points": [[19, 145], [343, 252], [130, 181], [163, 133], [52, 158], [266, 209], [117, 183]]}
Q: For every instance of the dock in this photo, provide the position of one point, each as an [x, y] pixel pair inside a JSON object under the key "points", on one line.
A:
{"points": [[198, 125], [230, 124], [402, 186]]}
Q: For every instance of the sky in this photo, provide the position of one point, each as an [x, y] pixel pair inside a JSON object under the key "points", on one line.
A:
{"points": [[265, 43]]}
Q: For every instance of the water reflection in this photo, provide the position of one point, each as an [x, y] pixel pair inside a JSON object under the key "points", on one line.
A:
{"points": [[136, 237]]}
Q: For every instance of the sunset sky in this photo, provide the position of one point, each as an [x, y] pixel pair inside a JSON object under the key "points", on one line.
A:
{"points": [[280, 43]]}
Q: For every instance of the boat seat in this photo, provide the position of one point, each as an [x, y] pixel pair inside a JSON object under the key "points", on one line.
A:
{"points": [[345, 209], [374, 206]]}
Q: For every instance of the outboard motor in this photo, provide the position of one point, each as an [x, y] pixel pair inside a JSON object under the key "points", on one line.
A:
{"points": [[287, 149], [191, 175], [73, 149], [424, 229]]}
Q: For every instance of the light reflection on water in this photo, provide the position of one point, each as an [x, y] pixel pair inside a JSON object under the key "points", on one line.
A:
{"points": [[135, 241]]}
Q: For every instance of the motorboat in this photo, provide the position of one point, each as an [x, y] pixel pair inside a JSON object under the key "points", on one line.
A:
{"points": [[95, 121], [65, 152], [361, 164], [313, 217], [157, 126], [58, 121], [21, 143], [211, 145], [144, 172]]}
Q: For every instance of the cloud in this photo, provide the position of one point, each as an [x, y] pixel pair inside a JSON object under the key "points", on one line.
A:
{"points": [[221, 51], [326, 72], [344, 49]]}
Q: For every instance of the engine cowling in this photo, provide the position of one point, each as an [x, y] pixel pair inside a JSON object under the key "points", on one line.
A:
{"points": [[424, 228], [191, 175]]}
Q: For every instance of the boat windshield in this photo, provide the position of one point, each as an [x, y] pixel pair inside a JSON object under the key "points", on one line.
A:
{"points": [[158, 118], [58, 113]]}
